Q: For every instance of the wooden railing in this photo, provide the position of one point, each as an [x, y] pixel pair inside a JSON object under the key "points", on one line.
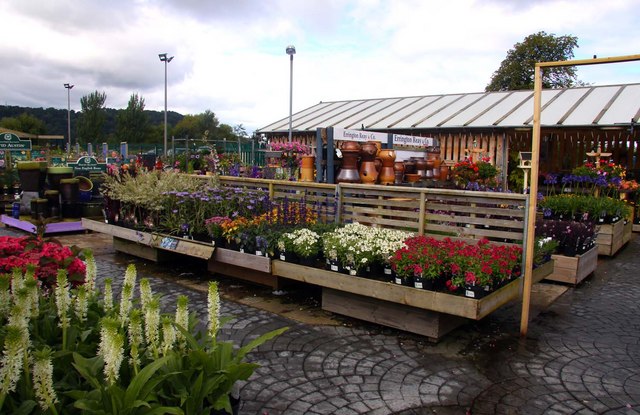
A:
{"points": [[463, 214]]}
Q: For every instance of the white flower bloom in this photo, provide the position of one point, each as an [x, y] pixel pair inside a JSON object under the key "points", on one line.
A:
{"points": [[81, 303], [136, 337], [182, 319], [108, 295], [111, 349], [146, 296], [152, 325], [63, 299], [125, 303], [213, 307], [12, 358], [130, 276], [168, 335], [43, 379], [91, 272]]}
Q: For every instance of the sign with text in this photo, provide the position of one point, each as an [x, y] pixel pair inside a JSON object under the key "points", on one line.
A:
{"points": [[410, 140], [358, 135], [89, 167], [10, 141]]}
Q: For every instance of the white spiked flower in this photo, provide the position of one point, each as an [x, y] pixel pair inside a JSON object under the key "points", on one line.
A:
{"points": [[145, 293], [63, 299], [5, 294], [43, 379], [152, 326], [130, 275], [168, 335], [34, 292], [12, 358], [136, 337], [125, 302], [91, 272], [111, 348], [108, 295], [81, 303], [182, 319], [17, 280], [213, 307]]}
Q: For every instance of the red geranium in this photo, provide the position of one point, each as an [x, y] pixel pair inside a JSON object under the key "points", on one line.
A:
{"points": [[47, 256]]}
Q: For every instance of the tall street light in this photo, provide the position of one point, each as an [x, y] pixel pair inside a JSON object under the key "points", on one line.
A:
{"points": [[163, 58], [291, 50], [68, 86]]}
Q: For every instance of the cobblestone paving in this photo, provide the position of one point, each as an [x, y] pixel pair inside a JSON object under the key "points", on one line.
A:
{"points": [[582, 355]]}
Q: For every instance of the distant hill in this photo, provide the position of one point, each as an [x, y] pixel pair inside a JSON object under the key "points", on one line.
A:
{"points": [[55, 119]]}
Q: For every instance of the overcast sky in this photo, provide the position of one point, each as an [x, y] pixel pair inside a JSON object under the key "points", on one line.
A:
{"points": [[230, 54]]}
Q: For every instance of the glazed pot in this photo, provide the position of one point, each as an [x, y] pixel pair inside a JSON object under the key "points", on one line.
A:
{"points": [[409, 167], [398, 170], [368, 171], [55, 174], [387, 175], [307, 167], [421, 166], [85, 187], [32, 175], [69, 190], [349, 169]]}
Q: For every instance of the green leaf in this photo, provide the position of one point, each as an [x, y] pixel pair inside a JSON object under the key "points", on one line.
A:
{"points": [[242, 352], [26, 407], [137, 389]]}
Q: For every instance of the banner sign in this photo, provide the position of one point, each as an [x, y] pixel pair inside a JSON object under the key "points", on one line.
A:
{"points": [[410, 140], [10, 141], [358, 135]]}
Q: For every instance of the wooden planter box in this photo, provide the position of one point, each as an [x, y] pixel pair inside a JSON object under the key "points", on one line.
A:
{"points": [[612, 237], [152, 246], [244, 266], [573, 270], [428, 313]]}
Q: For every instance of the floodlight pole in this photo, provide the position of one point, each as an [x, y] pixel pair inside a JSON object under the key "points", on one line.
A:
{"points": [[68, 86], [163, 58], [291, 50]]}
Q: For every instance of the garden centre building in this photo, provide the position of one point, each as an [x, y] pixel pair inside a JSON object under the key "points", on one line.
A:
{"points": [[574, 121]]}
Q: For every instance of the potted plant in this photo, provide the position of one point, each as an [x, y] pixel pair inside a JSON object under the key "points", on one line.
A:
{"points": [[304, 243]]}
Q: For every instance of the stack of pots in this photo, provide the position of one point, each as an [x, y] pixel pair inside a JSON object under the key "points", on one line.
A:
{"points": [[55, 174], [349, 169], [368, 171], [69, 192]]}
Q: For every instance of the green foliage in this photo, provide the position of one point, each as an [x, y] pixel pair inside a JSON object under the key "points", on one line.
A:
{"points": [[516, 71], [132, 125], [92, 119], [25, 123]]}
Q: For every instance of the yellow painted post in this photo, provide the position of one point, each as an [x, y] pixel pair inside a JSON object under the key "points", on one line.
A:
{"points": [[533, 192]]}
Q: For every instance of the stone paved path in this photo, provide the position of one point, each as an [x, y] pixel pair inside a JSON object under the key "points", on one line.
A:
{"points": [[582, 355]]}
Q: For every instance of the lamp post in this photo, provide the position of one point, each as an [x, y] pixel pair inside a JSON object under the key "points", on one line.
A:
{"points": [[291, 50], [68, 86], [163, 58]]}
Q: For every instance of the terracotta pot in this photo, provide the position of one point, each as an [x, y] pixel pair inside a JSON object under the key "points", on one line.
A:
{"points": [[444, 172], [398, 166], [349, 170], [307, 166], [412, 177], [421, 166], [368, 171], [388, 158], [409, 167]]}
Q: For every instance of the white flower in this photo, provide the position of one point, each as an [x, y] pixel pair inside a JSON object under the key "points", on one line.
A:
{"points": [[63, 299], [81, 304], [12, 357], [91, 272], [5, 293], [125, 302], [182, 319], [152, 325], [108, 295], [146, 296], [111, 349], [136, 337], [168, 335], [43, 379], [213, 307]]}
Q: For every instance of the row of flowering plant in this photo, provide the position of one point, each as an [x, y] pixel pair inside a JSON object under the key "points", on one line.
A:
{"points": [[291, 152], [76, 350], [584, 207], [47, 257], [355, 246], [572, 237], [458, 262]]}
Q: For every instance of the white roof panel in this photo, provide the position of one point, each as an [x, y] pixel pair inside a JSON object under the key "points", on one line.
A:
{"points": [[584, 106]]}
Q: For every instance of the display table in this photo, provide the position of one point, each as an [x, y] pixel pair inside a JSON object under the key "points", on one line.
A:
{"points": [[50, 228]]}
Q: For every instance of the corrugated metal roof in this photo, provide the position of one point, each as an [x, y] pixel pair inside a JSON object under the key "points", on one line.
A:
{"points": [[578, 107]]}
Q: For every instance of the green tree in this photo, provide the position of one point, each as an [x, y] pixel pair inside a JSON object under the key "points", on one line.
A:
{"points": [[132, 124], [516, 71], [93, 117], [25, 123]]}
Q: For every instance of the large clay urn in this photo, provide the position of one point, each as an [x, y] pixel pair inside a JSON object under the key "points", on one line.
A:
{"points": [[421, 166], [368, 172], [387, 175], [349, 170]]}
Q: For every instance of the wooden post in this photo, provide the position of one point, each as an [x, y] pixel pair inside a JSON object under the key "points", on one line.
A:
{"points": [[533, 192], [535, 162]]}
